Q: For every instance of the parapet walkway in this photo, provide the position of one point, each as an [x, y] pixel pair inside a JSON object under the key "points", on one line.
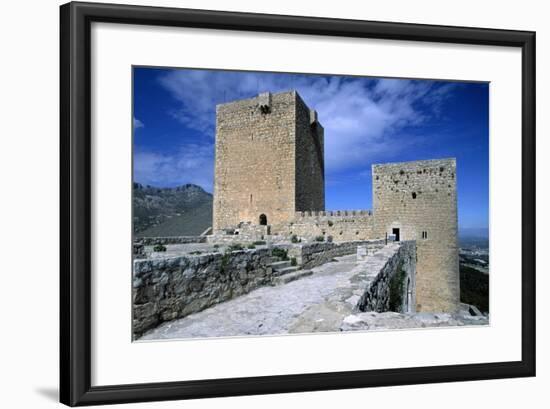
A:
{"points": [[315, 303], [324, 301]]}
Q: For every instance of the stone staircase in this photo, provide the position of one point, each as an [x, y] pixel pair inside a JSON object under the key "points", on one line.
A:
{"points": [[284, 272]]}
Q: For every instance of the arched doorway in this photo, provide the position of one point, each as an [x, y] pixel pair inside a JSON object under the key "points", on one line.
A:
{"points": [[263, 220]]}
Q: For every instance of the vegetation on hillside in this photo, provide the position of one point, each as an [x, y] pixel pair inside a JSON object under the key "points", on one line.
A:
{"points": [[474, 287], [180, 211]]}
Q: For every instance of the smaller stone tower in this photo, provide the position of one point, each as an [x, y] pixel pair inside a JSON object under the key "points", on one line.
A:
{"points": [[417, 201], [269, 160]]}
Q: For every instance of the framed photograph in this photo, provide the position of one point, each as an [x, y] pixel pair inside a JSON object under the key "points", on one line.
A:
{"points": [[257, 204]]}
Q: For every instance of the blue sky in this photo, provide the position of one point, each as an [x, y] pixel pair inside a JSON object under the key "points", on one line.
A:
{"points": [[366, 121]]}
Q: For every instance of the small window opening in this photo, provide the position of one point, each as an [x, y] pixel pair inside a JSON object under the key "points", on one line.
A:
{"points": [[414, 195], [424, 234]]}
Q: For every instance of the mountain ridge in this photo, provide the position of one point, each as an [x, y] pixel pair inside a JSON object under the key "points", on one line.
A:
{"points": [[184, 210]]}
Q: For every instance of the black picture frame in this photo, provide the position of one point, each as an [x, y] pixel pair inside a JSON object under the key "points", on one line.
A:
{"points": [[75, 203]]}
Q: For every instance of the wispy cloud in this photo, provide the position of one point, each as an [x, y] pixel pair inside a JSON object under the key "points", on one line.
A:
{"points": [[138, 124], [190, 163], [363, 118]]}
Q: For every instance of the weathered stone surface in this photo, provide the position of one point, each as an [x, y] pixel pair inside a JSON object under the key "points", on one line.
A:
{"points": [[393, 320], [314, 254], [181, 285], [269, 160], [242, 233], [170, 288], [362, 252], [341, 225], [269, 310], [419, 198], [150, 241], [377, 274], [138, 250]]}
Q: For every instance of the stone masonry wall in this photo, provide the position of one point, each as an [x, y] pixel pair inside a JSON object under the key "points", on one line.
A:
{"points": [[379, 270], [342, 225], [269, 160], [310, 161], [150, 241], [244, 233], [169, 288], [255, 161], [309, 255], [419, 199]]}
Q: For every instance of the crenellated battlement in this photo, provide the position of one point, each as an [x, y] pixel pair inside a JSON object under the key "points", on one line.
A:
{"points": [[332, 214], [340, 225]]}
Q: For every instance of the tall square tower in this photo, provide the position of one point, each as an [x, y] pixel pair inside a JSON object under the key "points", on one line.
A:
{"points": [[269, 160], [417, 201]]}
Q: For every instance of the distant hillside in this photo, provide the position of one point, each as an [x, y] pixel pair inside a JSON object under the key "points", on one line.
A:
{"points": [[478, 237], [179, 211], [470, 232]]}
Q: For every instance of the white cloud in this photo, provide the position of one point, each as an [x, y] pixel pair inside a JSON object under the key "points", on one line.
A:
{"points": [[190, 163], [364, 119], [138, 124]]}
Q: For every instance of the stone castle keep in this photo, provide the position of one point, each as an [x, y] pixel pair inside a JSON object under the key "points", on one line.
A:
{"points": [[269, 161], [269, 180]]}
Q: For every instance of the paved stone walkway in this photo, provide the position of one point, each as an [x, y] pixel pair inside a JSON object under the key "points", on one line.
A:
{"points": [[315, 303]]}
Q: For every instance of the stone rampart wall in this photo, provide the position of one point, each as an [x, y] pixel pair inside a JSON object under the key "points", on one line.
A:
{"points": [[244, 233], [341, 225], [310, 255], [388, 278], [170, 288], [151, 241]]}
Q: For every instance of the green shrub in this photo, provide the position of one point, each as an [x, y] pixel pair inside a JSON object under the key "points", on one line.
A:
{"points": [[329, 239], [320, 238], [196, 252], [159, 247], [294, 239], [330, 223], [235, 247], [259, 243], [281, 253], [216, 246], [224, 262], [293, 261], [251, 246], [397, 286], [474, 287]]}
